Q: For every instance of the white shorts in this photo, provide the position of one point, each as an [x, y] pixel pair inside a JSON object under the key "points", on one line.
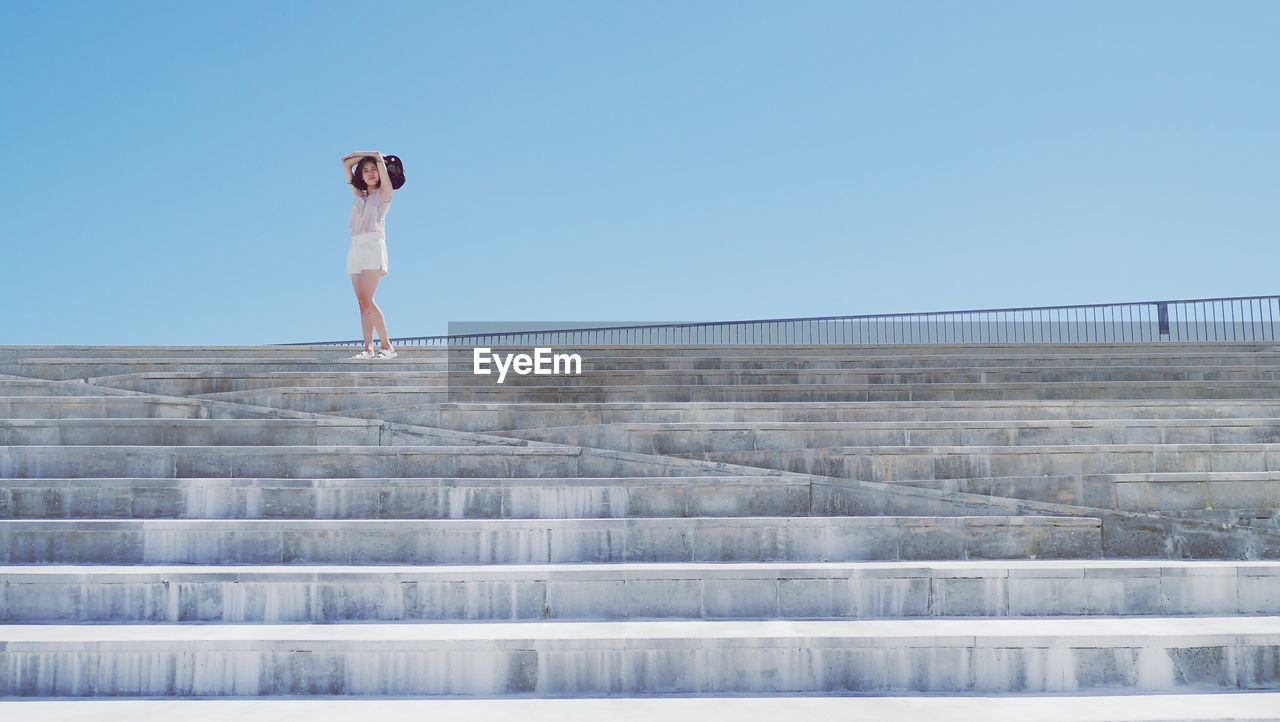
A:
{"points": [[368, 251]]}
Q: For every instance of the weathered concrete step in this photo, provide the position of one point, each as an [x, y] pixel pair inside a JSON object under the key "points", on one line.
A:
{"points": [[89, 367], [743, 356], [113, 404], [1126, 534], [1159, 492], [191, 432], [336, 398], [35, 387], [1029, 357], [684, 438], [849, 590], [541, 541], [425, 498], [100, 407], [85, 368], [13, 353], [641, 370], [217, 376], [1268, 518], [764, 377], [1199, 707], [622, 359], [909, 463], [501, 417], [293, 462], [187, 384], [819, 360], [1176, 348], [608, 658]]}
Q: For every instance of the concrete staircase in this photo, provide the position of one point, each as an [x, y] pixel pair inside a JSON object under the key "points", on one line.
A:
{"points": [[1018, 529]]}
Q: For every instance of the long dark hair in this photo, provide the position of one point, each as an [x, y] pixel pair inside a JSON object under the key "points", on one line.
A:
{"points": [[357, 178]]}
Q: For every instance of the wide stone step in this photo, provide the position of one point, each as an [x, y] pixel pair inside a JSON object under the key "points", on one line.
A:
{"points": [[337, 398], [623, 361], [542, 541], [118, 404], [1268, 518], [14, 353], [100, 407], [411, 359], [850, 590], [502, 417], [333, 398], [190, 384], [226, 380], [764, 377], [191, 432], [293, 462], [660, 657], [911, 463], [87, 368], [1100, 348], [902, 356], [1198, 707], [34, 387], [819, 358], [684, 438], [387, 498], [1161, 492]]}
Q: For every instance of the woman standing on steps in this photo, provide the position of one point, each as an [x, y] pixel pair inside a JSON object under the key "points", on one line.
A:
{"points": [[367, 258]]}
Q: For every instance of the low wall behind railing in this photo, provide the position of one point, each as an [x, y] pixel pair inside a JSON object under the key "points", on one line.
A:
{"points": [[1243, 318]]}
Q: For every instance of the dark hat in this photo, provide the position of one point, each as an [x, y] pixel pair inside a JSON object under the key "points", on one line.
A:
{"points": [[395, 169]]}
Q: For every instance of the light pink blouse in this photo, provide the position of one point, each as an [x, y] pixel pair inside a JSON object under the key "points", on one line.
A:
{"points": [[369, 214]]}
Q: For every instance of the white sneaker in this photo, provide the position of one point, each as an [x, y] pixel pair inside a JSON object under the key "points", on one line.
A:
{"points": [[363, 355], [386, 353]]}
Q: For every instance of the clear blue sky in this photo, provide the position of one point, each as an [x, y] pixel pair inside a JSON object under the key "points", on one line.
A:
{"points": [[176, 178]]}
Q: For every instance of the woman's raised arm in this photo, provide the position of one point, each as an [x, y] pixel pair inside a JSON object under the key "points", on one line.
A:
{"points": [[384, 178], [347, 161]]}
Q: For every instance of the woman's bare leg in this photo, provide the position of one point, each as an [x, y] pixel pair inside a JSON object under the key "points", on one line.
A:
{"points": [[369, 281], [366, 323]]}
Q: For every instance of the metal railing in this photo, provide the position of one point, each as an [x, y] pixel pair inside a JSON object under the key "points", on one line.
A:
{"points": [[1241, 318]]}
